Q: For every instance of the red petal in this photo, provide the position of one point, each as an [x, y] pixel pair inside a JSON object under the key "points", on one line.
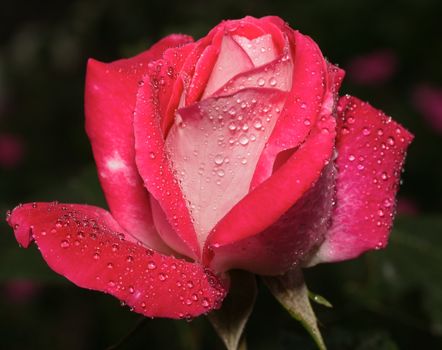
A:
{"points": [[87, 246], [203, 70], [243, 239], [371, 150], [109, 102], [153, 165], [304, 104]]}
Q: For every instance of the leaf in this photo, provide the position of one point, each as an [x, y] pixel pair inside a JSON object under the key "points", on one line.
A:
{"points": [[319, 299], [229, 321], [292, 293]]}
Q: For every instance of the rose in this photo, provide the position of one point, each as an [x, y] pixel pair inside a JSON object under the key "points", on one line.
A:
{"points": [[231, 152]]}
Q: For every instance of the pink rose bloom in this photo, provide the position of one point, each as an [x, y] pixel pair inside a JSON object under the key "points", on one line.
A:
{"points": [[230, 152], [21, 291], [428, 101], [11, 151], [374, 68]]}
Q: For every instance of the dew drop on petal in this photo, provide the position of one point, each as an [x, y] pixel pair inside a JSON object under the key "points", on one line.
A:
{"points": [[151, 265]]}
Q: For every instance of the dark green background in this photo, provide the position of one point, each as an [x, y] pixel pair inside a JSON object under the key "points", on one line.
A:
{"points": [[384, 300]]}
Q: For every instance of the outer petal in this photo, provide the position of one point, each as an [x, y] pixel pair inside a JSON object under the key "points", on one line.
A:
{"points": [[109, 103], [243, 239], [88, 247], [371, 149]]}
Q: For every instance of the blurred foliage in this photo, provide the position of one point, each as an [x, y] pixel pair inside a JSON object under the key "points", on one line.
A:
{"points": [[385, 300]]}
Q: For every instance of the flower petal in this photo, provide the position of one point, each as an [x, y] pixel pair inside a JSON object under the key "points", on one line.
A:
{"points": [[85, 244], [261, 50], [274, 75], [109, 104], [154, 167], [307, 98], [371, 149], [214, 146], [232, 60], [245, 238]]}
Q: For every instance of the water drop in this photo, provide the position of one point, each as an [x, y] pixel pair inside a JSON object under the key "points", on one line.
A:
{"points": [[219, 159], [390, 141], [366, 131], [152, 155], [220, 172], [272, 81], [151, 265], [261, 82], [243, 140], [257, 124], [205, 302], [64, 244]]}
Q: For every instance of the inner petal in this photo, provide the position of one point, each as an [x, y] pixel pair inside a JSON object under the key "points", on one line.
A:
{"points": [[261, 50], [214, 146], [232, 60]]}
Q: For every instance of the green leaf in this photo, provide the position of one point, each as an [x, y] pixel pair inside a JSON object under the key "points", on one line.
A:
{"points": [[229, 321], [292, 293], [319, 299]]}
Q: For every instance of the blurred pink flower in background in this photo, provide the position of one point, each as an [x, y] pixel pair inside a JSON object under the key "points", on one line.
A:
{"points": [[427, 100], [374, 68], [11, 151], [407, 206], [21, 291]]}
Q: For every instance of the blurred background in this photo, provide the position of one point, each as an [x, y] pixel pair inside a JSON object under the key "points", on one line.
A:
{"points": [[392, 52]]}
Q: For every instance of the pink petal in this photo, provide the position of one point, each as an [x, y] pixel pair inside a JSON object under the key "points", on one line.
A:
{"points": [[307, 100], [261, 50], [214, 146], [245, 238], [154, 167], [88, 247], [274, 75], [232, 60], [109, 104], [371, 150], [274, 26]]}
